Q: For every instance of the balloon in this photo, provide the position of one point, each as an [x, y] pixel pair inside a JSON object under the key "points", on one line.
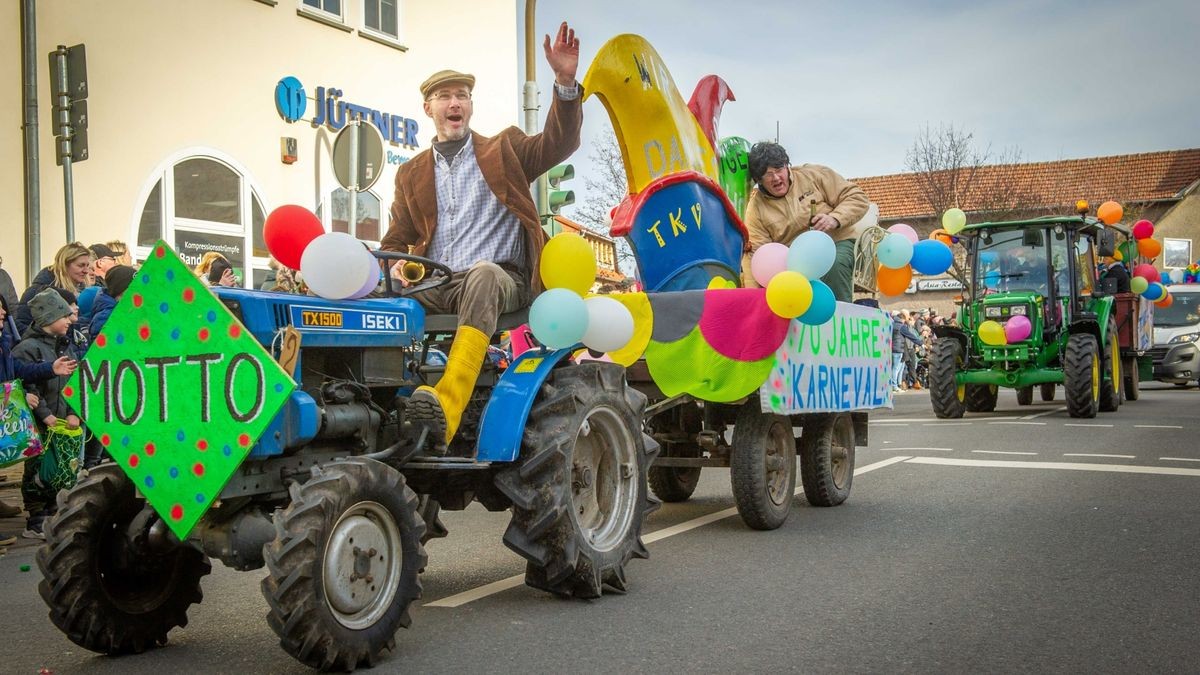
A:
{"points": [[1155, 291], [823, 305], [1164, 278], [1017, 329], [1138, 285], [610, 324], [812, 254], [992, 333], [1143, 229], [942, 236], [789, 294], [568, 262], [895, 251], [1176, 276], [1149, 248], [559, 317], [371, 282], [769, 260], [335, 265], [893, 281], [288, 230], [932, 257], [906, 230], [954, 220], [1128, 250], [1110, 213], [1166, 301], [1147, 272]]}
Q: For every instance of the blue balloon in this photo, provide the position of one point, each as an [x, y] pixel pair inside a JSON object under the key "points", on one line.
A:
{"points": [[823, 304], [1154, 292], [992, 279], [931, 257], [895, 251], [1165, 278], [812, 254], [558, 318]]}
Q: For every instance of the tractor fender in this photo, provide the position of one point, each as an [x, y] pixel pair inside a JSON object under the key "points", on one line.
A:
{"points": [[1088, 326], [953, 332], [503, 423]]}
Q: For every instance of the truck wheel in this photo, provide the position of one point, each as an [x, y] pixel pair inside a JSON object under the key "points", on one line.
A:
{"points": [[1048, 389], [675, 483], [982, 397], [827, 458], [1081, 375], [579, 492], [108, 593], [947, 396], [1110, 386], [762, 466], [1025, 395], [1129, 368], [343, 568]]}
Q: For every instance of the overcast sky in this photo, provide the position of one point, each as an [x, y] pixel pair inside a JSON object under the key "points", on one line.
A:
{"points": [[851, 84]]}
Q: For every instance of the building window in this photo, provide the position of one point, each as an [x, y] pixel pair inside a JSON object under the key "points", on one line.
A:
{"points": [[381, 16], [330, 8], [150, 228], [368, 215], [1177, 253]]}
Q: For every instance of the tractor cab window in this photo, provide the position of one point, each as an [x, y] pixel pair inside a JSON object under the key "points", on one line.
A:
{"points": [[1012, 260], [1060, 252], [1085, 265]]}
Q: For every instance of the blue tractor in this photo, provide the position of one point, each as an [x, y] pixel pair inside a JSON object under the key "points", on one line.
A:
{"points": [[340, 493]]}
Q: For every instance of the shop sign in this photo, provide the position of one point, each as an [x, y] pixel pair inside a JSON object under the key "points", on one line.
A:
{"points": [[333, 111]]}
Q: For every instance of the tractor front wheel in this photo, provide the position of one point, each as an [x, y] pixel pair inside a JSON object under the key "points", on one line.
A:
{"points": [[947, 396], [982, 397], [1081, 375]]}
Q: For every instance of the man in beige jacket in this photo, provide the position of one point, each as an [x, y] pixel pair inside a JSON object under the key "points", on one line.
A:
{"points": [[790, 200]]}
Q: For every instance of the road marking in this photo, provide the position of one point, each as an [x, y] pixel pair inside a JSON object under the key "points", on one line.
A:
{"points": [[1179, 459], [1025, 423], [1003, 452], [1043, 414], [938, 419], [1088, 454], [1156, 426], [890, 424], [1070, 424], [1067, 466], [921, 449], [460, 599], [949, 424]]}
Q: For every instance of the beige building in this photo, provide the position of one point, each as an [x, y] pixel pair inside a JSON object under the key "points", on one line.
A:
{"points": [[189, 136]]}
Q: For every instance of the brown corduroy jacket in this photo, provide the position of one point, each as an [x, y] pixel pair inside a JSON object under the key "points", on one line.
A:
{"points": [[509, 162]]}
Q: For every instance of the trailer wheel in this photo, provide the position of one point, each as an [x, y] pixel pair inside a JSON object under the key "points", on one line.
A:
{"points": [[579, 492], [827, 458], [762, 466], [675, 483], [108, 593], [1129, 368], [343, 568], [1081, 374]]}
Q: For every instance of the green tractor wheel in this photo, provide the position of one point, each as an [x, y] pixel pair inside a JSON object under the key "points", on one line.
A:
{"points": [[982, 397], [947, 396], [1081, 375], [1025, 395], [1112, 384]]}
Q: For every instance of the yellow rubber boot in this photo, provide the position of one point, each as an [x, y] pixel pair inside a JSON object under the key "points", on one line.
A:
{"points": [[441, 407]]}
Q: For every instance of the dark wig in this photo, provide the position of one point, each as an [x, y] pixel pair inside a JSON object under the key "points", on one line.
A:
{"points": [[765, 156]]}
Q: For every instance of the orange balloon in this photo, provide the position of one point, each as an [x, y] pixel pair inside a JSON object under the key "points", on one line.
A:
{"points": [[1166, 301], [1149, 248], [942, 236], [893, 281], [1110, 213]]}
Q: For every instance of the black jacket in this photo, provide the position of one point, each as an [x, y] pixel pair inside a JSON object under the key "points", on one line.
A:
{"points": [[39, 347], [43, 280]]}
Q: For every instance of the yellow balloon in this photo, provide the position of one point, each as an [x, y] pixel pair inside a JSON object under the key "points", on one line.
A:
{"points": [[992, 333], [789, 294], [954, 220], [568, 262], [638, 305]]}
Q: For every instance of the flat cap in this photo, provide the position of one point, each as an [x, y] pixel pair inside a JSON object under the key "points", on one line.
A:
{"points": [[444, 77]]}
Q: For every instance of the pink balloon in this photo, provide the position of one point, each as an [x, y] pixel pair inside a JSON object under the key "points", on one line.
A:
{"points": [[768, 260], [372, 279], [1017, 328], [1143, 229], [1147, 272], [906, 230]]}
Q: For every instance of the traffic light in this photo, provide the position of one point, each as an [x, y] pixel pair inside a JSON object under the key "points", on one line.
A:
{"points": [[560, 198]]}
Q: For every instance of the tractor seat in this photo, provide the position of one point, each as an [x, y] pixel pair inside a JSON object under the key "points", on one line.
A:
{"points": [[448, 323]]}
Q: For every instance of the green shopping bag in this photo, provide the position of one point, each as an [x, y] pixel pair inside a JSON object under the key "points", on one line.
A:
{"points": [[62, 457], [19, 439]]}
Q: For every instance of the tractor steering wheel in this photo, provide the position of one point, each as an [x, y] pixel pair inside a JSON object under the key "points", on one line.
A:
{"points": [[436, 274]]}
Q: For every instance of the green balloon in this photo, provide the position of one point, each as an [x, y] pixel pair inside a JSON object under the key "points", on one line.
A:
{"points": [[735, 171], [954, 220], [1138, 285], [1129, 252]]}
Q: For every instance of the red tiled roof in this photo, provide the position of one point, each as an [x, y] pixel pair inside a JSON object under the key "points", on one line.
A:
{"points": [[1143, 177]]}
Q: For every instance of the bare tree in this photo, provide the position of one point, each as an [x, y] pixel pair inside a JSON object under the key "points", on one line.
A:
{"points": [[603, 192]]}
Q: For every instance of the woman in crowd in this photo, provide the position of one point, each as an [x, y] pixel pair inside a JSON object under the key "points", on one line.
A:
{"points": [[69, 272], [214, 270]]}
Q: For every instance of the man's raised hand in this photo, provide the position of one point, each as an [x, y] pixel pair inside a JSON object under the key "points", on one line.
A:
{"points": [[563, 55]]}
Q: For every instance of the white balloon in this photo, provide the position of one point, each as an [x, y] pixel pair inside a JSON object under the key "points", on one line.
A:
{"points": [[335, 265], [1176, 276], [610, 324]]}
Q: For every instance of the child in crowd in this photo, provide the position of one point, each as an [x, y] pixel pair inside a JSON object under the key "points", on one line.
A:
{"points": [[46, 341], [119, 279], [77, 334]]}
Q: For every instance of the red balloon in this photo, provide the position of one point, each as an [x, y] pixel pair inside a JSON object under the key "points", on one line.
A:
{"points": [[287, 232], [1147, 272], [1143, 229]]}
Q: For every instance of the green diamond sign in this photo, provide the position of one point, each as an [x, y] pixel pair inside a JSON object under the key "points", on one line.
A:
{"points": [[176, 389]]}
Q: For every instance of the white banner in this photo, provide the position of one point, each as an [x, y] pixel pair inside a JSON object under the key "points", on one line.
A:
{"points": [[843, 364]]}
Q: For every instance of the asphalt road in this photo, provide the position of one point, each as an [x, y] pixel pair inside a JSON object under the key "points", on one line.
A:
{"points": [[1020, 540]]}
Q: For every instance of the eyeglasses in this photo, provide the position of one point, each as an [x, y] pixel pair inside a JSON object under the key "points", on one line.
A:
{"points": [[444, 97]]}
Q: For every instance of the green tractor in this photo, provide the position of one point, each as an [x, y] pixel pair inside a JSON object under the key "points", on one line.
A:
{"points": [[1045, 270]]}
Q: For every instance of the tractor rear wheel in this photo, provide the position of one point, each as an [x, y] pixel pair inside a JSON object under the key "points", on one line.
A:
{"points": [[946, 395], [579, 492], [1025, 395], [1048, 389], [109, 593], [1111, 381], [982, 397], [1129, 368], [343, 568], [762, 466], [827, 458], [1081, 375]]}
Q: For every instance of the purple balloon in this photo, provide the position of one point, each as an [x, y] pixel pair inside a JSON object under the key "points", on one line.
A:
{"points": [[1017, 328]]}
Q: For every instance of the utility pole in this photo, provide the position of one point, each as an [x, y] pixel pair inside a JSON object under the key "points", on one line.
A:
{"points": [[541, 189], [29, 140]]}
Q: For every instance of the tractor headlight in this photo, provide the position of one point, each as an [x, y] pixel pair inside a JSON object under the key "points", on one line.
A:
{"points": [[1019, 310], [991, 312], [1186, 337]]}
